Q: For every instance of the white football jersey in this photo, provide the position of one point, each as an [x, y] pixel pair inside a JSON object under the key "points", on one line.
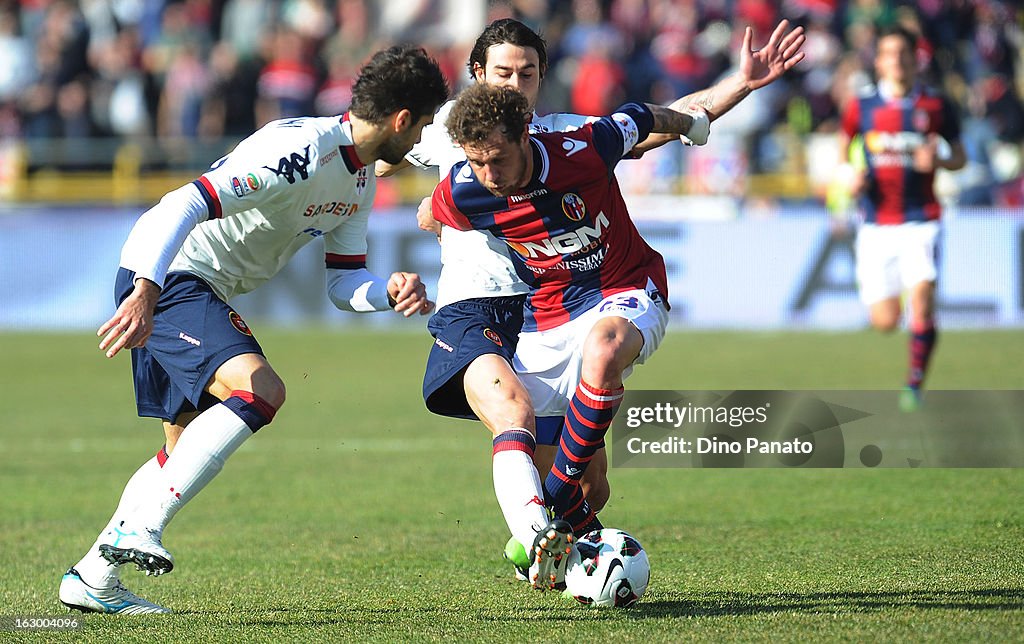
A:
{"points": [[288, 183], [474, 263]]}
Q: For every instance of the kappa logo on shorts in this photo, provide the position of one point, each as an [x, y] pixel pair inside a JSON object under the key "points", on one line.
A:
{"points": [[493, 337], [444, 345], [239, 323]]}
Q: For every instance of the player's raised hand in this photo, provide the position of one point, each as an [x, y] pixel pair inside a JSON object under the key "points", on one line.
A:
{"points": [[409, 294], [763, 66], [132, 323]]}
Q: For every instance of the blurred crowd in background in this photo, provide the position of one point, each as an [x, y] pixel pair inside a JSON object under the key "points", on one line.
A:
{"points": [[209, 69]]}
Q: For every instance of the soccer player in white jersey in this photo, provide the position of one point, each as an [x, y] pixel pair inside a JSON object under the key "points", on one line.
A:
{"points": [[480, 297], [196, 364]]}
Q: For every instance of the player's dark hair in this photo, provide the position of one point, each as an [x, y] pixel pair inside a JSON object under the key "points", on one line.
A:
{"points": [[481, 107], [508, 31], [908, 36], [398, 78]]}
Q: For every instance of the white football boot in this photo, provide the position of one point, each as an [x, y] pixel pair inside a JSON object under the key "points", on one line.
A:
{"points": [[117, 600], [549, 555], [140, 546]]}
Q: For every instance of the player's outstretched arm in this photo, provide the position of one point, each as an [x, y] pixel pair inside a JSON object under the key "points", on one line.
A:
{"points": [[757, 68], [692, 123], [360, 291]]}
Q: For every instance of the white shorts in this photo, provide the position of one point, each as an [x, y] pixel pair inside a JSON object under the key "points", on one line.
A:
{"points": [[549, 362], [893, 258]]}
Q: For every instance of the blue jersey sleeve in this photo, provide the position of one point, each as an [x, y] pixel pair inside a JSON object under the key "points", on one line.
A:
{"points": [[615, 135]]}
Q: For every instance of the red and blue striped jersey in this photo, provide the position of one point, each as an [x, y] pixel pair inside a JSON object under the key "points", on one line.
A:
{"points": [[572, 239], [892, 128]]}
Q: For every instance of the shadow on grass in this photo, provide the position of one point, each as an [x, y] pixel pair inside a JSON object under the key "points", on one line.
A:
{"points": [[719, 604], [715, 604]]}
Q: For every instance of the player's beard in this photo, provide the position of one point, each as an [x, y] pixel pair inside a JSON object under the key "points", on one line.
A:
{"points": [[393, 151]]}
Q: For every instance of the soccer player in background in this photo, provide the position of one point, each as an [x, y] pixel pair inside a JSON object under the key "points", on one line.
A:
{"points": [[196, 365], [480, 297], [906, 131], [597, 292]]}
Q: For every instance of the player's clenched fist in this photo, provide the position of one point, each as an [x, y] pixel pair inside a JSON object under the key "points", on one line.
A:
{"points": [[408, 294], [132, 323]]}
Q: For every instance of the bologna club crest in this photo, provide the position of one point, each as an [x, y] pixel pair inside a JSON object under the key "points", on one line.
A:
{"points": [[573, 206], [239, 323]]}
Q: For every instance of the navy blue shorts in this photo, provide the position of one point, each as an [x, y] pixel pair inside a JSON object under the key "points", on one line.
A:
{"points": [[464, 331], [194, 333]]}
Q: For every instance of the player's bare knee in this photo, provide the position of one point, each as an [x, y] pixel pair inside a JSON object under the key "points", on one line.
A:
{"points": [[606, 353], [885, 316], [885, 323], [272, 391], [505, 413]]}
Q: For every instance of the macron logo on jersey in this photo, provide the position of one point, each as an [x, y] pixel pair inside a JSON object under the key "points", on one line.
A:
{"points": [[572, 146], [465, 175]]}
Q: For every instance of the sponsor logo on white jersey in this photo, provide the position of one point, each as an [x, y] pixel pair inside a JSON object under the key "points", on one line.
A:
{"points": [[288, 166], [327, 158], [338, 208]]}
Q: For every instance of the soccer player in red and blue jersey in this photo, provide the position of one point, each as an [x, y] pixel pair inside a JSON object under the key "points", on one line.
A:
{"points": [[907, 131], [597, 300]]}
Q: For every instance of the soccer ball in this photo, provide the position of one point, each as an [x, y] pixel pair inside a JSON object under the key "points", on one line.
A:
{"points": [[607, 568]]}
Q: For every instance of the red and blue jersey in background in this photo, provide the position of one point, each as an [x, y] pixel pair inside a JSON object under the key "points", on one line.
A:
{"points": [[891, 129], [572, 239]]}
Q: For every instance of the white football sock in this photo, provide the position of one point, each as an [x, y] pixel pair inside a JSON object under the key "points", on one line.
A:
{"points": [[520, 496], [198, 457], [94, 569]]}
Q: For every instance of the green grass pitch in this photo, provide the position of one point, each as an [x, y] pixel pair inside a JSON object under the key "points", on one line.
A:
{"points": [[358, 516]]}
